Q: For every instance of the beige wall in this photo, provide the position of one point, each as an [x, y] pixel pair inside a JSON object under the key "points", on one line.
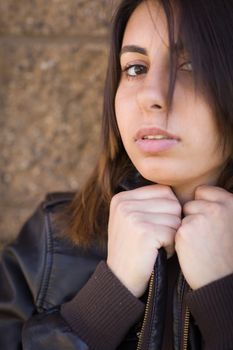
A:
{"points": [[52, 66]]}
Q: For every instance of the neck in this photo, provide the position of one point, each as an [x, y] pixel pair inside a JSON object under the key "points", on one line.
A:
{"points": [[186, 192]]}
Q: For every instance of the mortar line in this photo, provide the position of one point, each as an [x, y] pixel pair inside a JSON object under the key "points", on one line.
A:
{"points": [[56, 39]]}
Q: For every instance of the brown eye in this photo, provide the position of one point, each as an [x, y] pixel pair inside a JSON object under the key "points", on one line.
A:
{"points": [[135, 70]]}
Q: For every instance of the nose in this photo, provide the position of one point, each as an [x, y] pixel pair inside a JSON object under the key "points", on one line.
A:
{"points": [[152, 93]]}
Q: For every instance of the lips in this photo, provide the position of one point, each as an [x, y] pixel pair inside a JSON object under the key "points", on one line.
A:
{"points": [[154, 140], [154, 134]]}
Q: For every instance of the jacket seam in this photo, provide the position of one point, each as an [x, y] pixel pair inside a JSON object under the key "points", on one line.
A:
{"points": [[47, 264]]}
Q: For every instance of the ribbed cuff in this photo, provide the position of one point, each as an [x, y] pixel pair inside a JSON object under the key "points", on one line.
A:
{"points": [[212, 309], [103, 311]]}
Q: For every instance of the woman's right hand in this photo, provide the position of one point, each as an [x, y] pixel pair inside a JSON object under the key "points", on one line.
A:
{"points": [[140, 222]]}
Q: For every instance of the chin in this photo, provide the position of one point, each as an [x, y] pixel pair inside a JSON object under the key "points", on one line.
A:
{"points": [[163, 171], [157, 179], [158, 176]]}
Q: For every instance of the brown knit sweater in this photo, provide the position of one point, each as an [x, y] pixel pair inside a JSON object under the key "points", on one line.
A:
{"points": [[104, 310]]}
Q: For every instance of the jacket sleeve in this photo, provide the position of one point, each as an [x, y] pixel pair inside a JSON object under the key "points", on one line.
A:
{"points": [[212, 309], [22, 325], [99, 307]]}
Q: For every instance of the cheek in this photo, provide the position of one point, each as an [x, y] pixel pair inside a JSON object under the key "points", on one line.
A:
{"points": [[117, 102], [125, 118], [120, 112], [122, 108], [118, 109]]}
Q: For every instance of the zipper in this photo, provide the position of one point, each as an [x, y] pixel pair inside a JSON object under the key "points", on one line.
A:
{"points": [[185, 315], [186, 328], [182, 315], [141, 334]]}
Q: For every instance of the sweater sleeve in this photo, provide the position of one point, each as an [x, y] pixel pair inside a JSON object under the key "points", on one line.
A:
{"points": [[103, 311], [212, 309]]}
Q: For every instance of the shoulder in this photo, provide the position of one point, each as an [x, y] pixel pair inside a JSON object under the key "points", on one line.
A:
{"points": [[31, 253], [34, 231], [43, 261], [46, 259], [62, 254], [55, 199], [34, 241]]}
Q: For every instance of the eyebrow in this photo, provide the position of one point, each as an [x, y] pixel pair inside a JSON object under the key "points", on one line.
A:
{"points": [[133, 48], [178, 48]]}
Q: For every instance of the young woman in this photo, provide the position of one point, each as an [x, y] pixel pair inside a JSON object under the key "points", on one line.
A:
{"points": [[88, 271]]}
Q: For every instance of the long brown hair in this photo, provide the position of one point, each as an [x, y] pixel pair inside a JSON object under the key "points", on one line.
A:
{"points": [[207, 33]]}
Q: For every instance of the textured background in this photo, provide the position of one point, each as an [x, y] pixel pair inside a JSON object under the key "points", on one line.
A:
{"points": [[53, 56]]}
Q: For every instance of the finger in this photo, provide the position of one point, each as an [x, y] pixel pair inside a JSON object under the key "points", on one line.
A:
{"points": [[151, 191], [165, 238], [197, 207], [155, 205], [187, 220], [171, 221], [211, 193]]}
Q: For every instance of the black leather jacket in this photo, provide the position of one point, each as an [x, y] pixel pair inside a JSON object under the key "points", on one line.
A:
{"points": [[34, 283]]}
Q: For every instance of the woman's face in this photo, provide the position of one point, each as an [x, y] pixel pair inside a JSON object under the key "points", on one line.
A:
{"points": [[175, 148]]}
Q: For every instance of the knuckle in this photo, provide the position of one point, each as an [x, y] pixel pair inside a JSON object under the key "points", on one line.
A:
{"points": [[177, 222], [179, 232], [199, 219], [178, 208], [124, 207], [112, 205], [230, 200], [119, 204], [146, 227], [134, 218], [115, 200], [186, 207], [200, 191], [177, 243], [214, 208], [166, 190]]}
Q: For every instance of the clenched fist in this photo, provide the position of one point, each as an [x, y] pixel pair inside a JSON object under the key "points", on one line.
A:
{"points": [[141, 221], [204, 241]]}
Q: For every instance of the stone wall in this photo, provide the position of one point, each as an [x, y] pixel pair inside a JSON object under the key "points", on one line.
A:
{"points": [[53, 56]]}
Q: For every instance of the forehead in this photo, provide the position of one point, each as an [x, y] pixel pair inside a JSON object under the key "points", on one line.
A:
{"points": [[146, 24], [149, 27]]}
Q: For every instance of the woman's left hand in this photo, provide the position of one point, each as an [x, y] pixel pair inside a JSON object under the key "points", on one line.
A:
{"points": [[204, 241]]}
